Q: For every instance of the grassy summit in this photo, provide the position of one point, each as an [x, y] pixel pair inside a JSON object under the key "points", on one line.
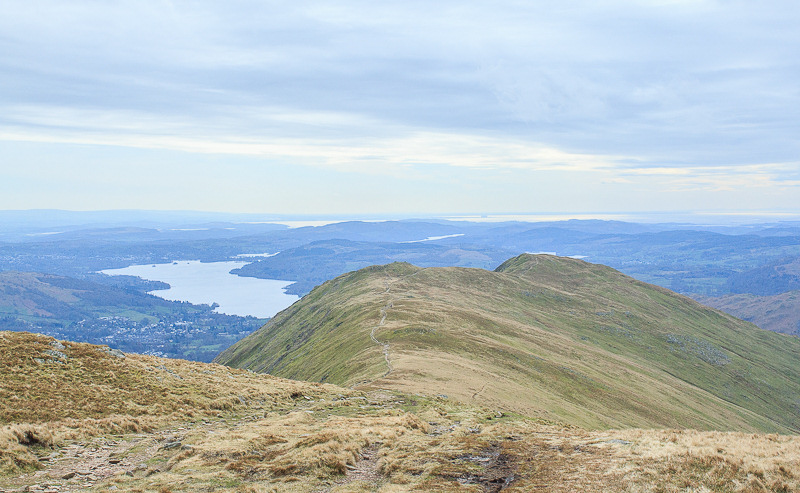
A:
{"points": [[555, 338]]}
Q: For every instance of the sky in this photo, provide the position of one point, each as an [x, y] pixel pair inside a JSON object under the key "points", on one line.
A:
{"points": [[354, 107]]}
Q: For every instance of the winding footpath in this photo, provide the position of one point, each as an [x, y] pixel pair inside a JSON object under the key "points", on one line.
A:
{"points": [[384, 345]]}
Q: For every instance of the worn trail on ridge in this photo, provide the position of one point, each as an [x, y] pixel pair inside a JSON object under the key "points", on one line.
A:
{"points": [[384, 345]]}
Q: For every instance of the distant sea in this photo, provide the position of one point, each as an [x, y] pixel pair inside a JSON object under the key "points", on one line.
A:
{"points": [[212, 282]]}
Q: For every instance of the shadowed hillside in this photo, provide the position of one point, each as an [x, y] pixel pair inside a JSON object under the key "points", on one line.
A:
{"points": [[778, 313], [544, 336]]}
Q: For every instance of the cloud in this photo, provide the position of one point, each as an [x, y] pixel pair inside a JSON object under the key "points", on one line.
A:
{"points": [[698, 93], [279, 135], [388, 151]]}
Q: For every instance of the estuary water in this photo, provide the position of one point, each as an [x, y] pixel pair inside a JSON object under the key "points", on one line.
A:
{"points": [[212, 282]]}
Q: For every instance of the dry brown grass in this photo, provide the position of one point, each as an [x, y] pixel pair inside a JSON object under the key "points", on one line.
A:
{"points": [[298, 444], [716, 461], [91, 383], [464, 452], [88, 391], [15, 444], [313, 449], [242, 432]]}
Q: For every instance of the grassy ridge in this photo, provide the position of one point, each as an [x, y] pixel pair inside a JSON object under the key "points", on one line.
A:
{"points": [[546, 336], [322, 327]]}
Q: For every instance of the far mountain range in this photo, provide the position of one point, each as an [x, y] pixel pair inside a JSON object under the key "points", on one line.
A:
{"points": [[751, 271]]}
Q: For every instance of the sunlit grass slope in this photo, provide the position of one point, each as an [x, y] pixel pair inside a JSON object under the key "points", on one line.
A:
{"points": [[545, 336]]}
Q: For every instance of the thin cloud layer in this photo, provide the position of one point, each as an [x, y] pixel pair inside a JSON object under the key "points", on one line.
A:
{"points": [[649, 98]]}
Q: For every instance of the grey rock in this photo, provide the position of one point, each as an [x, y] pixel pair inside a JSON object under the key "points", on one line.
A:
{"points": [[117, 353], [612, 440], [56, 354], [113, 352], [171, 445], [164, 368]]}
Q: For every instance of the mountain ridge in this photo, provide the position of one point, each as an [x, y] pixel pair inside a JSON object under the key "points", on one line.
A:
{"points": [[545, 336]]}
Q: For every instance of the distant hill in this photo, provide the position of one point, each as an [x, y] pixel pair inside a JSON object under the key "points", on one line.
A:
{"points": [[677, 257], [545, 336], [774, 278], [127, 319], [779, 312], [319, 261], [686, 258]]}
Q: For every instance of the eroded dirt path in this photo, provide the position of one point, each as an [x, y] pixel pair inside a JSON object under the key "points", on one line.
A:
{"points": [[384, 345], [364, 475]]}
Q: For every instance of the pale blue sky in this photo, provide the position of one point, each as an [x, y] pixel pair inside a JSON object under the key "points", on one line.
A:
{"points": [[401, 107]]}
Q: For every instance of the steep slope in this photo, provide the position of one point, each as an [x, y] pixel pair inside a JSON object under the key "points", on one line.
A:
{"points": [[545, 336]]}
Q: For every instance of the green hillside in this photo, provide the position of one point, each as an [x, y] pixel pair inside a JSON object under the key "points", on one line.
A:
{"points": [[544, 336], [127, 319]]}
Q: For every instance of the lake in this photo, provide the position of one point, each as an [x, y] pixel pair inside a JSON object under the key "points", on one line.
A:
{"points": [[212, 282]]}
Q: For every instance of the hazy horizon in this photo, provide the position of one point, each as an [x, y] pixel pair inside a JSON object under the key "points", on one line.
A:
{"points": [[111, 217]]}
